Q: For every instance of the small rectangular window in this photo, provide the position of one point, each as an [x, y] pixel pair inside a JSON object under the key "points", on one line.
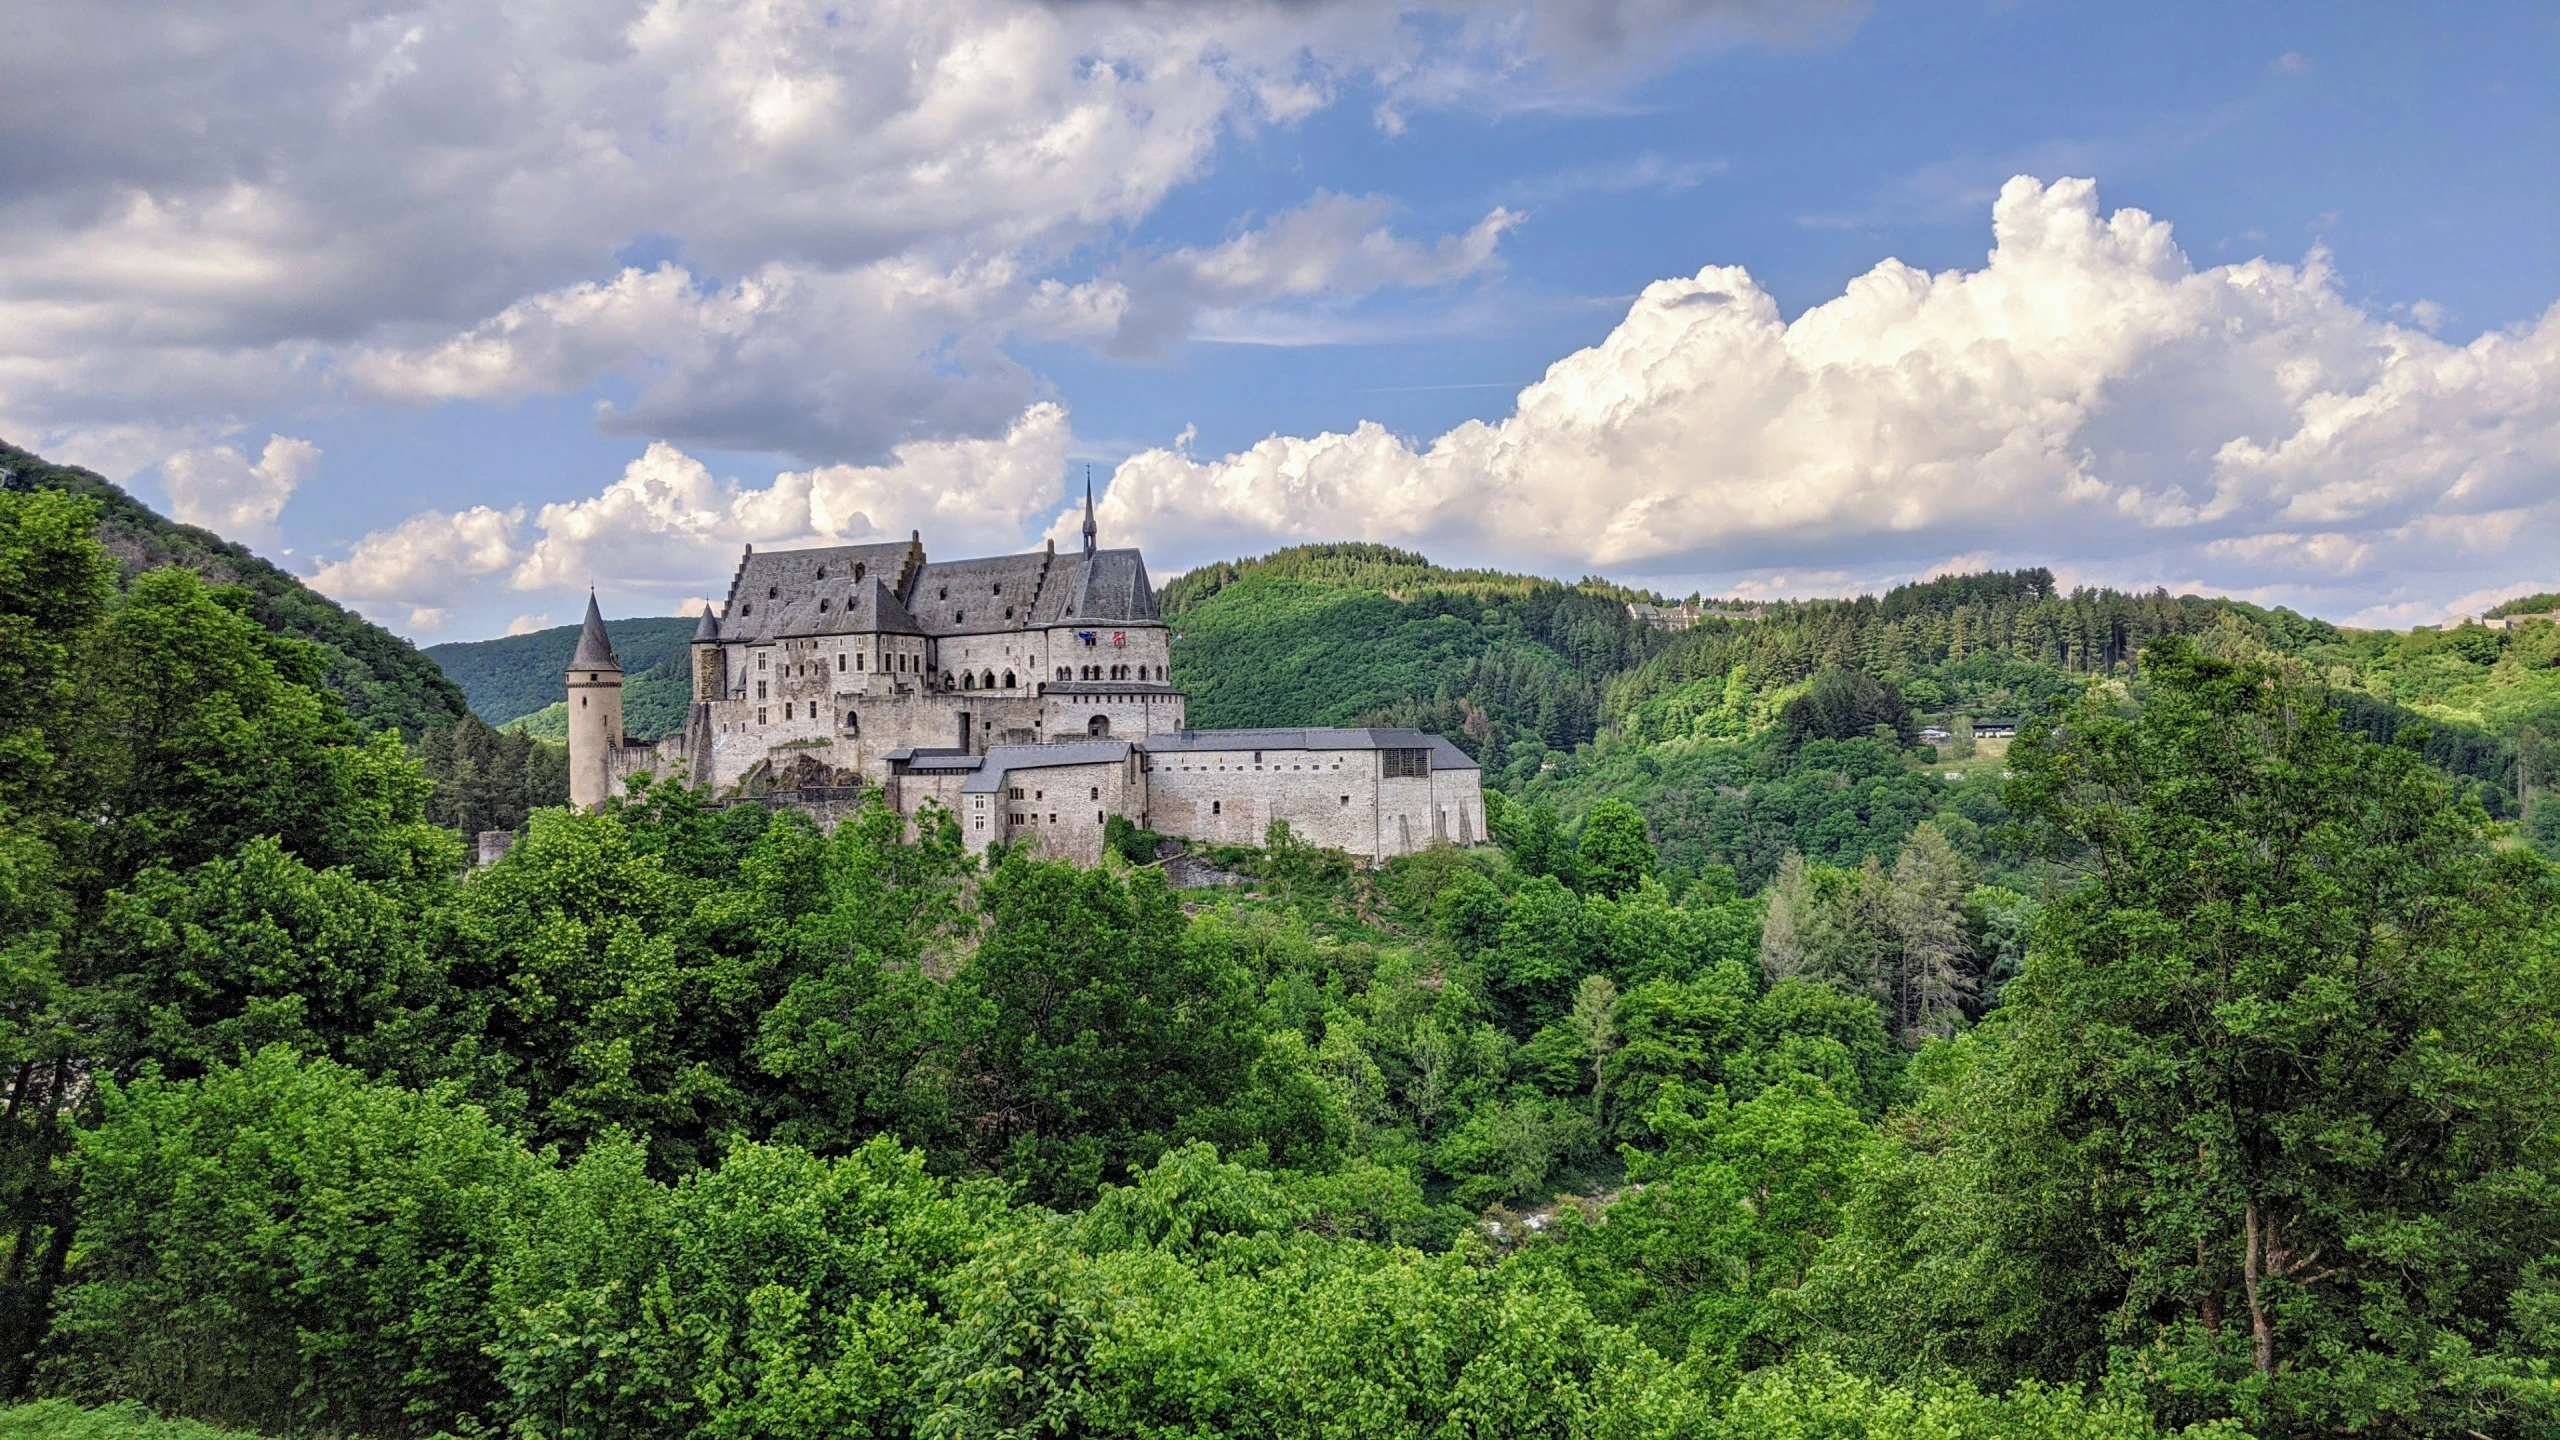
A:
{"points": [[1215, 806], [839, 662], [759, 714]]}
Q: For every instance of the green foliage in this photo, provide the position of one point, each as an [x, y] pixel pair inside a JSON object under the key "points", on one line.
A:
{"points": [[1847, 705], [1090, 1024], [490, 780], [2302, 1020], [517, 676], [384, 683], [284, 1246], [63, 1420], [1615, 854]]}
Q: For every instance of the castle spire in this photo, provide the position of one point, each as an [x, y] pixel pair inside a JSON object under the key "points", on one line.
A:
{"points": [[1088, 510], [595, 648]]}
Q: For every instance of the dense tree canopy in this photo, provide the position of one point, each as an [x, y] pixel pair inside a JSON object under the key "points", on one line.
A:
{"points": [[2192, 1077]]}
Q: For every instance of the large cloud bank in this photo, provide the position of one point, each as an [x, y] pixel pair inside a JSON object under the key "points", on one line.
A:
{"points": [[2087, 393], [783, 225], [2087, 396]]}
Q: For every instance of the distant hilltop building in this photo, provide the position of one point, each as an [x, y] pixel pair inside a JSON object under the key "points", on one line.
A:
{"points": [[1027, 694], [1683, 615]]}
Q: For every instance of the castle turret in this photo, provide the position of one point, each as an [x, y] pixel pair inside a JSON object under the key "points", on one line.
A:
{"points": [[595, 712], [710, 662]]}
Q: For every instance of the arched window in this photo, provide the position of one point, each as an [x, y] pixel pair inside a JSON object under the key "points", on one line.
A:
{"points": [[852, 723], [968, 681], [1008, 679], [1098, 727], [987, 681], [773, 592], [1062, 672]]}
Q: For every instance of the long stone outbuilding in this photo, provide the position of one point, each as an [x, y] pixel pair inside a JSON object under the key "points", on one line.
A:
{"points": [[1029, 695]]}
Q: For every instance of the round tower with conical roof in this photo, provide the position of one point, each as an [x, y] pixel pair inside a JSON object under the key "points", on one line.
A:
{"points": [[595, 712], [710, 661]]}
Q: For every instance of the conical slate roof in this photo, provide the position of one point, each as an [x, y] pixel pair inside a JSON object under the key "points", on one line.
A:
{"points": [[708, 632], [595, 649]]}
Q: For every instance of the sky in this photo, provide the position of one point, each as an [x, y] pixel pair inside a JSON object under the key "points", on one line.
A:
{"points": [[457, 308]]}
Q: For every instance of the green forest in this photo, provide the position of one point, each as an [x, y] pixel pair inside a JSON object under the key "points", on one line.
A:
{"points": [[517, 682], [2184, 1070]]}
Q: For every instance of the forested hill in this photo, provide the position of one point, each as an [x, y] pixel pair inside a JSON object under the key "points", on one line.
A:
{"points": [[1568, 699], [519, 677], [386, 683]]}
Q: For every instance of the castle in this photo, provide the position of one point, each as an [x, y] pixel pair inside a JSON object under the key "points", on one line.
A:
{"points": [[1029, 695]]}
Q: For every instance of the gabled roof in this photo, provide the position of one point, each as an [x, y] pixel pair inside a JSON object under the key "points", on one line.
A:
{"points": [[1444, 755], [829, 591], [595, 648], [1105, 587], [781, 594], [990, 776], [975, 597]]}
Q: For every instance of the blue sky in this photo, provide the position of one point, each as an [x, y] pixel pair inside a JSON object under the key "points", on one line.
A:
{"points": [[371, 285]]}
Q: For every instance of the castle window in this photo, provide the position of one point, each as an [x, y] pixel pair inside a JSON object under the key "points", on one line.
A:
{"points": [[1008, 679], [760, 690], [987, 681], [858, 572], [759, 714], [773, 592], [942, 594], [998, 590], [822, 572], [1098, 727], [1062, 672], [760, 659], [1008, 612], [1039, 794], [959, 617], [968, 682], [745, 609], [822, 607], [1097, 792], [839, 662], [1217, 807], [1346, 799]]}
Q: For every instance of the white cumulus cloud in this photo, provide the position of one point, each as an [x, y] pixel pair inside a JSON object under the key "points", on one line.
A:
{"points": [[667, 530], [225, 492], [2087, 391]]}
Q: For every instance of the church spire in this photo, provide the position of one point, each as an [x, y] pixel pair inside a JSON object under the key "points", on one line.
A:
{"points": [[1088, 510]]}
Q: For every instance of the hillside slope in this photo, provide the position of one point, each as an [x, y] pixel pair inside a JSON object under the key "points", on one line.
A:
{"points": [[1569, 701], [520, 676], [386, 682]]}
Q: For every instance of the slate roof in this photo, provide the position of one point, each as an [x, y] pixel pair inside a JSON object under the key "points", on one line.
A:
{"points": [[975, 597], [779, 593], [595, 648], [990, 776], [1444, 755], [796, 593]]}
